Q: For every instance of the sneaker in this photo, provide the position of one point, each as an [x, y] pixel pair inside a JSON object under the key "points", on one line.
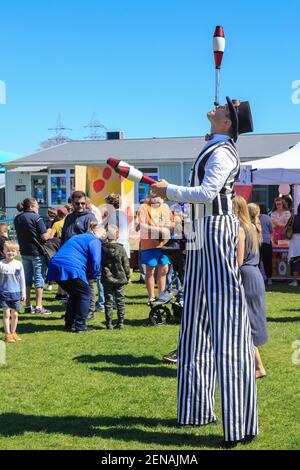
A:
{"points": [[270, 283], [49, 288], [100, 308], [293, 284], [165, 297], [171, 358], [42, 311], [16, 337], [29, 309], [86, 330], [119, 326], [9, 338], [90, 317]]}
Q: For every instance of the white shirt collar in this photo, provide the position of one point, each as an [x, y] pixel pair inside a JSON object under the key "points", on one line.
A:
{"points": [[217, 138]]}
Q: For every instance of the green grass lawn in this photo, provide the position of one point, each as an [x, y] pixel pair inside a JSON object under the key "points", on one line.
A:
{"points": [[109, 390]]}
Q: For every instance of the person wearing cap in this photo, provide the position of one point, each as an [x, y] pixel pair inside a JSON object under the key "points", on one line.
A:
{"points": [[215, 338], [52, 217], [58, 225]]}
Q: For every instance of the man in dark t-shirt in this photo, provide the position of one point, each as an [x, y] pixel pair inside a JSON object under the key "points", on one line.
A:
{"points": [[32, 233]]}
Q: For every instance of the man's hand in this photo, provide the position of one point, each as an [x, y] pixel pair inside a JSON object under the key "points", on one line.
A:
{"points": [[160, 189]]}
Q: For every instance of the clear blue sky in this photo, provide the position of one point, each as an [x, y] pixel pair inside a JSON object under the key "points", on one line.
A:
{"points": [[146, 67]]}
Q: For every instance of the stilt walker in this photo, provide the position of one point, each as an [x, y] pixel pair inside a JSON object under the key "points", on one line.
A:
{"points": [[215, 338]]}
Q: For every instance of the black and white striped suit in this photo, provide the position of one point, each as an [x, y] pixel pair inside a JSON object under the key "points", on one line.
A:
{"points": [[215, 338]]}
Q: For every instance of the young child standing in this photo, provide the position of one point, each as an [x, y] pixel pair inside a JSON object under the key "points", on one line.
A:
{"points": [[115, 275], [12, 290]]}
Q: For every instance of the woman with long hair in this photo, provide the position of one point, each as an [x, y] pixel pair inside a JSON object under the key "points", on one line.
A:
{"points": [[280, 217], [254, 286]]}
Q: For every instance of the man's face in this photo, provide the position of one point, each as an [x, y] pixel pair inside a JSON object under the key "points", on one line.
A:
{"points": [[220, 117], [79, 204]]}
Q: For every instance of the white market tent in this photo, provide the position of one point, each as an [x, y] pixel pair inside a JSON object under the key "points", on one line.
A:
{"points": [[279, 169]]}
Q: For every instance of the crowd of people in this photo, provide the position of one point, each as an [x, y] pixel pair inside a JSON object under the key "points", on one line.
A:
{"points": [[75, 247]]}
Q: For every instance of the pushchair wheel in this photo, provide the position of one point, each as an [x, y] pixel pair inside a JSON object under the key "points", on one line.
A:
{"points": [[160, 315]]}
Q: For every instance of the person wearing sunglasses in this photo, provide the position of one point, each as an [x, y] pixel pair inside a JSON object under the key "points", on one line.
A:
{"points": [[79, 221]]}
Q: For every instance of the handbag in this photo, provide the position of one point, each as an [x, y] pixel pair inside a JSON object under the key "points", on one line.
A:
{"points": [[49, 248], [288, 231]]}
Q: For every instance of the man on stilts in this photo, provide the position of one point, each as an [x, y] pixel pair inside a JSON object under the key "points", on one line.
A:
{"points": [[215, 338]]}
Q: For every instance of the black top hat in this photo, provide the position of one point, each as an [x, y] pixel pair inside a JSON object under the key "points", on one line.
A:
{"points": [[241, 117]]}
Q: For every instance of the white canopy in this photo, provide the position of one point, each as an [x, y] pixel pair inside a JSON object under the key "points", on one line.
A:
{"points": [[282, 168]]}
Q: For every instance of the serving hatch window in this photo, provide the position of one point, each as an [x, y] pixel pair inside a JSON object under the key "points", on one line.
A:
{"points": [[143, 189]]}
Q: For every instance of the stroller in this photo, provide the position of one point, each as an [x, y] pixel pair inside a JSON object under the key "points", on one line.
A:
{"points": [[167, 308]]}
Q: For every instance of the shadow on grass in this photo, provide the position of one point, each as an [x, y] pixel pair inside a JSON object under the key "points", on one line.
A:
{"points": [[285, 289], [28, 328], [124, 429], [142, 322], [130, 302], [284, 320], [166, 372], [143, 297], [120, 360]]}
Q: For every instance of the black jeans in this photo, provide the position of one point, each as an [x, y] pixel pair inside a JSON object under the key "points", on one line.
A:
{"points": [[78, 304], [266, 257], [117, 293]]}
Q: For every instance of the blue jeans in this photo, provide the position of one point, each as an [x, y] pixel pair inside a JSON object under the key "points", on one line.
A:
{"points": [[35, 271], [78, 305], [101, 300]]}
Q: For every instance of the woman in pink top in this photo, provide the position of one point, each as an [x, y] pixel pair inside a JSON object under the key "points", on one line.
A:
{"points": [[280, 218]]}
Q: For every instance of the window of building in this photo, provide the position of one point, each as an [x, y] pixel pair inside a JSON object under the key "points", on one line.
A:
{"points": [[61, 186], [142, 189], [58, 190]]}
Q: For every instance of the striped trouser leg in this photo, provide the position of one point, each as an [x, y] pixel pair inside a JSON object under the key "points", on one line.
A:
{"points": [[196, 370], [230, 328]]}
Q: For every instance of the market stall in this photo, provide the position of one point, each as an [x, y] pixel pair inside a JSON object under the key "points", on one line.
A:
{"points": [[282, 170]]}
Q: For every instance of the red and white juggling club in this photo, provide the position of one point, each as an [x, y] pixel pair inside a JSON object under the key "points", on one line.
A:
{"points": [[129, 172], [219, 48]]}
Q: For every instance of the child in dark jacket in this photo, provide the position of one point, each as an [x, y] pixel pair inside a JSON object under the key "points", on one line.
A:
{"points": [[115, 275]]}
